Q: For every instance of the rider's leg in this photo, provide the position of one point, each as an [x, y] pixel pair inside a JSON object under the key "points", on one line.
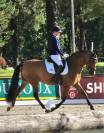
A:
{"points": [[57, 75], [57, 59]]}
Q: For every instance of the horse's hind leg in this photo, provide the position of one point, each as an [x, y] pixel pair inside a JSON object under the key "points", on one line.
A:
{"points": [[17, 93], [36, 95], [23, 85], [85, 94], [20, 88]]}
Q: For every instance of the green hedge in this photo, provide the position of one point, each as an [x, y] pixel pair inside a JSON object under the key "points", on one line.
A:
{"points": [[7, 73], [99, 69]]}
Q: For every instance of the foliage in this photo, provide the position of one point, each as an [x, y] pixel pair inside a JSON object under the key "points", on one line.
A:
{"points": [[99, 69], [28, 24], [25, 24], [6, 11]]}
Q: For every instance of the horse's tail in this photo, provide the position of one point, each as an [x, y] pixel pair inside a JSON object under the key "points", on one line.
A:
{"points": [[14, 84]]}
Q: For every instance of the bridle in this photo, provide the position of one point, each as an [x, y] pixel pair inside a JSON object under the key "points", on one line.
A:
{"points": [[92, 60]]}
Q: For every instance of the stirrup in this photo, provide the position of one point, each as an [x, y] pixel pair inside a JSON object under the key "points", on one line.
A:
{"points": [[57, 75], [57, 79], [60, 68]]}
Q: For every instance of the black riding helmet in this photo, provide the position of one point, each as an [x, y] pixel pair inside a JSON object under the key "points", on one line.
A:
{"points": [[56, 29]]}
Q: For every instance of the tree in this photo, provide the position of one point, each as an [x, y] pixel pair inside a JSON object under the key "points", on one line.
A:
{"points": [[87, 13], [28, 38], [25, 26], [50, 15], [6, 11]]}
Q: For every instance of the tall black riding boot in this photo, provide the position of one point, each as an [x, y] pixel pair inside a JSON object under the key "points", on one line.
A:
{"points": [[57, 75]]}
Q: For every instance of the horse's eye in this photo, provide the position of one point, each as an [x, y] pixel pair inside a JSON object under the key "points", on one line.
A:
{"points": [[92, 61]]}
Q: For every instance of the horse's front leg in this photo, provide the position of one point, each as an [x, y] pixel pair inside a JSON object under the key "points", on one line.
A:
{"points": [[35, 93], [56, 106], [60, 103], [78, 85]]}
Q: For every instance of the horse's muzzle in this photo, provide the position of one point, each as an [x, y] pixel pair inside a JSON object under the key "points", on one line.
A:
{"points": [[92, 71]]}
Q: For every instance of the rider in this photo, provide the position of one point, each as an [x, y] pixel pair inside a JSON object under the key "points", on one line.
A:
{"points": [[55, 51]]}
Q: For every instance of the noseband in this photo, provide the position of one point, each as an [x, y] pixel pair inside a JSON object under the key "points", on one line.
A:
{"points": [[93, 58]]}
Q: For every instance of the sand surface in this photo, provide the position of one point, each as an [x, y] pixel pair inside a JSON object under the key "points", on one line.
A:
{"points": [[21, 119]]}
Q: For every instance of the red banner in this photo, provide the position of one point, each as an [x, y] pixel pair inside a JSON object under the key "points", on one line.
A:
{"points": [[94, 86]]}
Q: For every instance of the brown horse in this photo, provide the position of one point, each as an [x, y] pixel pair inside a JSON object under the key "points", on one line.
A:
{"points": [[3, 62], [33, 71]]}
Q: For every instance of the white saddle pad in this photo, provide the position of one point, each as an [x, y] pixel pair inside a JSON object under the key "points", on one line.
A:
{"points": [[50, 68]]}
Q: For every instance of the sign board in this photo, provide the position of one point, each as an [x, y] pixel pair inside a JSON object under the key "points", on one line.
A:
{"points": [[45, 91], [94, 87]]}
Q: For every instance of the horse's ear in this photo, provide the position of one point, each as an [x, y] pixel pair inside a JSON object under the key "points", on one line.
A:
{"points": [[92, 46], [84, 42], [95, 55], [85, 47]]}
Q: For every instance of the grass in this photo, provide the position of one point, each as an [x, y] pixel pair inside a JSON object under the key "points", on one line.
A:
{"points": [[100, 64], [7, 73], [99, 69]]}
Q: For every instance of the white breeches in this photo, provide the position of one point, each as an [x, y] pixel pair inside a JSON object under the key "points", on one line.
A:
{"points": [[57, 59]]}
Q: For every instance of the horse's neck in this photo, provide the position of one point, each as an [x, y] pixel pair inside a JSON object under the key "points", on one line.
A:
{"points": [[76, 64], [76, 68]]}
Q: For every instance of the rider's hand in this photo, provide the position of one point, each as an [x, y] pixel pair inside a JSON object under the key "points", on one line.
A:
{"points": [[65, 56]]}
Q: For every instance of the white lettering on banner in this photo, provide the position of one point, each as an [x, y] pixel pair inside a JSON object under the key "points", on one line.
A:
{"points": [[29, 90], [98, 87], [89, 88], [0, 89], [40, 87], [95, 87], [4, 88], [47, 90]]}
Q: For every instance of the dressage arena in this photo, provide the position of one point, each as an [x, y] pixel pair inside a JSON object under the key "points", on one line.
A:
{"points": [[32, 119]]}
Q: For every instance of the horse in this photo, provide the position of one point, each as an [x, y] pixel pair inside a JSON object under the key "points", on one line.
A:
{"points": [[3, 63], [33, 71]]}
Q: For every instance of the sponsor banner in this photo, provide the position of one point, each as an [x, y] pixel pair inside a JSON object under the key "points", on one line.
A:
{"points": [[94, 87], [45, 91]]}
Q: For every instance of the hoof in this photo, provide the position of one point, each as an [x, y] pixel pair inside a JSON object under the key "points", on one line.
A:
{"points": [[47, 111], [8, 109], [52, 109], [92, 108]]}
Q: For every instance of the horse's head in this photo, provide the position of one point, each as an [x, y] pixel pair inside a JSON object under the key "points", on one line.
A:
{"points": [[79, 59], [91, 62]]}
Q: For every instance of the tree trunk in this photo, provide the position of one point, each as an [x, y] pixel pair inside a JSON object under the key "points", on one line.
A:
{"points": [[50, 13]]}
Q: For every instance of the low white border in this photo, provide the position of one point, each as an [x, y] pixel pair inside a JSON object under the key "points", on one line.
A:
{"points": [[68, 101], [83, 101]]}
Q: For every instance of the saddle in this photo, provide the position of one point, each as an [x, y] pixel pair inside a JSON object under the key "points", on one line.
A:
{"points": [[52, 67]]}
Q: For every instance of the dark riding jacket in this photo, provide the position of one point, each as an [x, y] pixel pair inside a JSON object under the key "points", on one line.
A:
{"points": [[54, 48]]}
